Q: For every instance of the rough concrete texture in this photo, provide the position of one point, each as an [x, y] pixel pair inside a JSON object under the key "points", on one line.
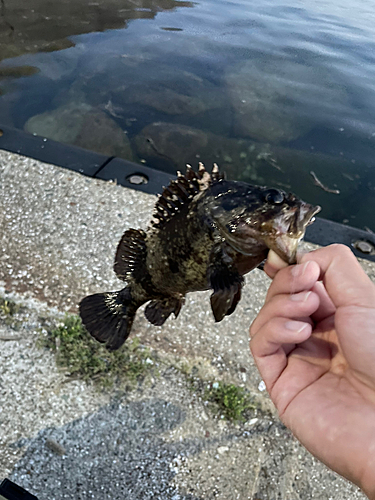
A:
{"points": [[59, 231]]}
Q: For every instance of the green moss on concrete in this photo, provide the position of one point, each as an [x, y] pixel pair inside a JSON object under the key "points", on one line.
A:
{"points": [[8, 312], [229, 401], [8, 307], [82, 356]]}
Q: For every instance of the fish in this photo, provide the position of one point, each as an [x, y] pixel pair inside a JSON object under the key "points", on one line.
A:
{"points": [[206, 233]]}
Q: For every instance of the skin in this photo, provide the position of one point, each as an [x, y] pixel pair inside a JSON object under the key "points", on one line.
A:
{"points": [[314, 344]]}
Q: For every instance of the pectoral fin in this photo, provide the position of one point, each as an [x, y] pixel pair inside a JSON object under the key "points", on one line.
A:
{"points": [[225, 300], [226, 282]]}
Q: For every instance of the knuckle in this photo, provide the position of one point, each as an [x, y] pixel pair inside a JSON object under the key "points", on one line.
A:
{"points": [[339, 248], [274, 324]]}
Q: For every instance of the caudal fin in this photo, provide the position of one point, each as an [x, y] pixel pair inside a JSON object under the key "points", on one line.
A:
{"points": [[108, 317]]}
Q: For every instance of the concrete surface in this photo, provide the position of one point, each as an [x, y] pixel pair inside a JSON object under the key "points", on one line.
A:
{"points": [[58, 234]]}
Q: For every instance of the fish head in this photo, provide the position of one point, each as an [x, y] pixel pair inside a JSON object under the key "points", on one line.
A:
{"points": [[254, 217]]}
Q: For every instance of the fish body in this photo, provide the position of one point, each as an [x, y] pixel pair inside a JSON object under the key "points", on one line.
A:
{"points": [[207, 233]]}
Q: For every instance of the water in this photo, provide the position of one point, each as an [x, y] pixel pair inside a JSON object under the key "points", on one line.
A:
{"points": [[270, 91]]}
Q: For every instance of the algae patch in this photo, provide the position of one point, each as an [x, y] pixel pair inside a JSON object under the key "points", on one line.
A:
{"points": [[8, 307], [226, 400], [230, 401], [8, 312], [83, 357]]}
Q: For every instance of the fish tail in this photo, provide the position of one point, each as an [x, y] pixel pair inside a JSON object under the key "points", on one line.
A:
{"points": [[109, 316]]}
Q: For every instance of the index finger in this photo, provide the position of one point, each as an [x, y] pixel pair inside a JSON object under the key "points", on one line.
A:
{"points": [[294, 279], [343, 277]]}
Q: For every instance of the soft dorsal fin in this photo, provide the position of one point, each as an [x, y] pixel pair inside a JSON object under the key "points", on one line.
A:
{"points": [[130, 254], [182, 190]]}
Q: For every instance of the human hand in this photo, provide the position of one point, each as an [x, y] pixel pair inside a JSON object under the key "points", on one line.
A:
{"points": [[314, 344]]}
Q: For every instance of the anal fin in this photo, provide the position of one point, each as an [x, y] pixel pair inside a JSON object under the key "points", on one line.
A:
{"points": [[225, 300], [158, 311]]}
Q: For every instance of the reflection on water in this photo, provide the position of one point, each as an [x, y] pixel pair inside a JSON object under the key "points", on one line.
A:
{"points": [[271, 92], [45, 25]]}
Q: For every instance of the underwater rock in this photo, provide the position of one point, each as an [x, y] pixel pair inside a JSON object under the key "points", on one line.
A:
{"points": [[186, 94], [140, 82], [18, 71], [169, 146], [279, 101], [82, 125], [163, 146]]}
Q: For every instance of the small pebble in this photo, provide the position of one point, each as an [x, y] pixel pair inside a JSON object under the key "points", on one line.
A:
{"points": [[222, 449], [55, 446], [261, 386]]}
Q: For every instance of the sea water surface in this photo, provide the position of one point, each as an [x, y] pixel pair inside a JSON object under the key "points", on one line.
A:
{"points": [[277, 93]]}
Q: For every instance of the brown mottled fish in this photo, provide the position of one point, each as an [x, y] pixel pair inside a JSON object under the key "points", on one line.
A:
{"points": [[207, 233]]}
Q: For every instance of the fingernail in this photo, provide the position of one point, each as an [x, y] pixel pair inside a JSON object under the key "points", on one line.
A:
{"points": [[300, 269], [295, 326], [300, 297]]}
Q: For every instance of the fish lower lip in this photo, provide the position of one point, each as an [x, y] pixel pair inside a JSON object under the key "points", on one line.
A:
{"points": [[285, 244], [286, 248]]}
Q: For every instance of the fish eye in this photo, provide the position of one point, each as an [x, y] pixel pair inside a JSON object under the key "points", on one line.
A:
{"points": [[274, 196]]}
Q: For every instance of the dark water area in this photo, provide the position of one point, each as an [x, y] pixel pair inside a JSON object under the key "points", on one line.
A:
{"points": [[271, 91]]}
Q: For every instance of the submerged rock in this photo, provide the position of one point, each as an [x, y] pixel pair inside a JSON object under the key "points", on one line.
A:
{"points": [[185, 94], [82, 125], [18, 71], [279, 101], [169, 146], [147, 86]]}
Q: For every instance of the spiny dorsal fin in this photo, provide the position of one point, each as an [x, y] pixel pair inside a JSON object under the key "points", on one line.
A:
{"points": [[130, 254], [216, 175], [182, 190]]}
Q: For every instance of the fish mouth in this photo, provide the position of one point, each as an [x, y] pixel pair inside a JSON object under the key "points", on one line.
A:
{"points": [[286, 248], [281, 233], [289, 229]]}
